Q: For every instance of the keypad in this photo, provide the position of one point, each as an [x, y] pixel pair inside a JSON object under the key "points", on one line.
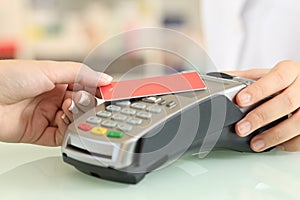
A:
{"points": [[154, 109], [114, 134], [109, 124], [99, 131], [162, 102], [85, 127], [103, 114], [152, 99], [134, 121], [144, 115], [119, 117], [93, 120], [139, 106], [123, 117], [113, 108], [128, 111], [171, 104], [124, 127], [123, 103]]}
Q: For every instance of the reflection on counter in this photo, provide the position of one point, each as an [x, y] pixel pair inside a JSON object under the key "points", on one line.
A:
{"points": [[221, 175]]}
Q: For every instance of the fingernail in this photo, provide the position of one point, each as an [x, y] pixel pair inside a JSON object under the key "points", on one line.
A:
{"points": [[73, 108], [84, 99], [65, 119], [245, 98], [258, 145], [244, 128], [105, 78]]}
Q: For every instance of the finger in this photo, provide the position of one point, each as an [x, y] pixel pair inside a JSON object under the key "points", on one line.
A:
{"points": [[62, 128], [68, 109], [91, 90], [75, 87], [80, 102], [278, 79], [292, 145], [43, 76], [95, 91], [253, 74], [286, 102], [65, 119], [84, 100], [53, 136], [72, 110], [69, 95], [71, 72], [279, 134]]}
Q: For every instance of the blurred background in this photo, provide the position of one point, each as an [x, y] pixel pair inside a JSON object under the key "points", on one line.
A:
{"points": [[67, 30]]}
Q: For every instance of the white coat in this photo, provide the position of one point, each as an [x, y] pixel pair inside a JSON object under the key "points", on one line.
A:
{"points": [[243, 34]]}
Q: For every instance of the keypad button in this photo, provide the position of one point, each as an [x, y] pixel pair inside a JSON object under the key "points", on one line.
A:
{"points": [[144, 115], [115, 134], [151, 99], [113, 108], [85, 127], [93, 120], [128, 111], [103, 114], [109, 124], [99, 131], [134, 121], [154, 109], [139, 106], [123, 103], [171, 104], [124, 127], [162, 102], [119, 117]]}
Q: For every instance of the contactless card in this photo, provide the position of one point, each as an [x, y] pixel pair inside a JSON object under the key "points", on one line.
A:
{"points": [[159, 85]]}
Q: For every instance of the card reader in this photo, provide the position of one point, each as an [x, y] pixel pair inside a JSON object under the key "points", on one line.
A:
{"points": [[124, 140]]}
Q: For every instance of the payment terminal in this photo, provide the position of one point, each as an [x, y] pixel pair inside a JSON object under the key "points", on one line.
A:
{"points": [[123, 140]]}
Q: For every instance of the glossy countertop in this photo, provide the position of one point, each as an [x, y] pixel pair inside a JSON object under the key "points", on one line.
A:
{"points": [[35, 172]]}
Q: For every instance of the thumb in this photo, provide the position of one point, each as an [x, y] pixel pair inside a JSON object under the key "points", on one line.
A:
{"points": [[72, 72], [21, 79], [253, 74]]}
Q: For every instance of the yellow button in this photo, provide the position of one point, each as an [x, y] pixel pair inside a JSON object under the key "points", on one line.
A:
{"points": [[99, 131]]}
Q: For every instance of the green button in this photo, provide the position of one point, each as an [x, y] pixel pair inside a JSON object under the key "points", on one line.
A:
{"points": [[114, 134]]}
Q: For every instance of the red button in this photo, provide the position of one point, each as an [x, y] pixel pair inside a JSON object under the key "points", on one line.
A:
{"points": [[85, 127]]}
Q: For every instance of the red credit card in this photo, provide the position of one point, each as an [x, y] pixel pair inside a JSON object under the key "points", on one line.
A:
{"points": [[175, 83]]}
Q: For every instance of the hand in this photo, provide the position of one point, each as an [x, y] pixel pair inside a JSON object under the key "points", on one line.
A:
{"points": [[31, 98], [284, 79]]}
